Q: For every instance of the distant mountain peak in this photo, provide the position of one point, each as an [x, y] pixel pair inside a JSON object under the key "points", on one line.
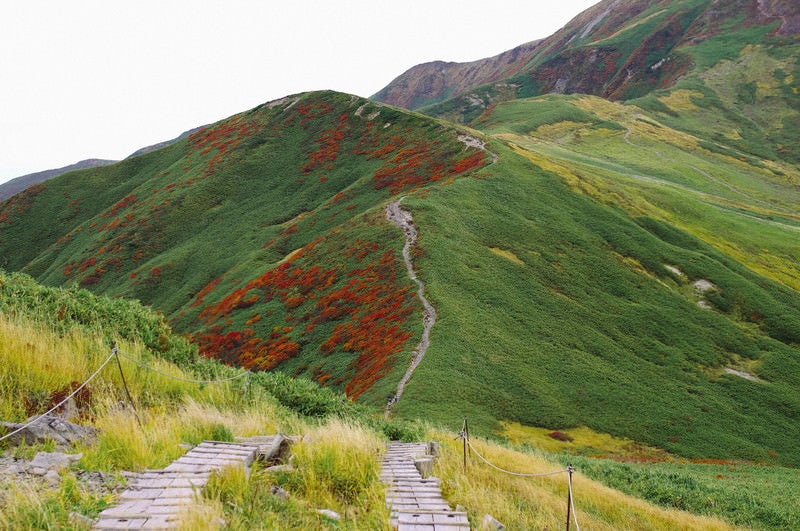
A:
{"points": [[18, 184], [616, 49], [432, 82]]}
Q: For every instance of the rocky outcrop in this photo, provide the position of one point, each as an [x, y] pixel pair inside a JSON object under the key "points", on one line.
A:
{"points": [[48, 428]]}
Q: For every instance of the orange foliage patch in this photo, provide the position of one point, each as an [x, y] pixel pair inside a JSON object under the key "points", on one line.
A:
{"points": [[364, 310]]}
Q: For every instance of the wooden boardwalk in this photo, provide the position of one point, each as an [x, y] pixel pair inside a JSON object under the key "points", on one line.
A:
{"points": [[154, 499], [415, 502]]}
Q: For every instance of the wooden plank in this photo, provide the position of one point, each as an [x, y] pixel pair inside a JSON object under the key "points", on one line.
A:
{"points": [[161, 523], [165, 510], [173, 501], [180, 467], [209, 461], [111, 524], [141, 494], [450, 518], [414, 518], [240, 450]]}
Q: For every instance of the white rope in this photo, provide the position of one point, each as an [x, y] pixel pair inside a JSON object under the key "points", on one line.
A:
{"points": [[513, 473], [84, 384], [180, 378], [572, 501]]}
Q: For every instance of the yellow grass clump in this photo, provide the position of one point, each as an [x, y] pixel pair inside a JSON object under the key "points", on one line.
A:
{"points": [[541, 502], [508, 255], [583, 439], [36, 361], [681, 100], [338, 464]]}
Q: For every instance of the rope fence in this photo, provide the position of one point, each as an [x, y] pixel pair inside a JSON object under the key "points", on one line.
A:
{"points": [[571, 501], [116, 354], [189, 380], [518, 474], [75, 392], [571, 513]]}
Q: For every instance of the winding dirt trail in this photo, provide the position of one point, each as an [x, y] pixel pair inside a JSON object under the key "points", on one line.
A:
{"points": [[402, 218]]}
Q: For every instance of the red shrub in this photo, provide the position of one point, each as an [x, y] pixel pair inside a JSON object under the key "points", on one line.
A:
{"points": [[560, 436]]}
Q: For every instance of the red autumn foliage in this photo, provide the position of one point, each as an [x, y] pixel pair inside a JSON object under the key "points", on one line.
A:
{"points": [[222, 138], [560, 436], [198, 298], [366, 305], [329, 146], [476, 160], [312, 111], [125, 202], [19, 202], [417, 162]]}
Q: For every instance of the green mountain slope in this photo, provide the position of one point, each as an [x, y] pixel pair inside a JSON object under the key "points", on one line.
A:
{"points": [[558, 311], [629, 266], [262, 236]]}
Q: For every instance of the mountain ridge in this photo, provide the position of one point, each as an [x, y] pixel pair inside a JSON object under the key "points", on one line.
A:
{"points": [[22, 182], [612, 253], [626, 50], [18, 184], [432, 82]]}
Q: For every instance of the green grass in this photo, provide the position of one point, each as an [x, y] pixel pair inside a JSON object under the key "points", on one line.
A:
{"points": [[579, 337], [751, 496], [549, 267], [748, 210], [336, 464]]}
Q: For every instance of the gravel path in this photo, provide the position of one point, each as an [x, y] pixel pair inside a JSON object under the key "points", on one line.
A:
{"points": [[402, 218]]}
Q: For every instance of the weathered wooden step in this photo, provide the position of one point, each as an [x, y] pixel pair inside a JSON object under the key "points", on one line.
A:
{"points": [[155, 498], [416, 503], [452, 519]]}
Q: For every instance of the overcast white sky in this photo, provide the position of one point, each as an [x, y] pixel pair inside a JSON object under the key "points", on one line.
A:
{"points": [[102, 78]]}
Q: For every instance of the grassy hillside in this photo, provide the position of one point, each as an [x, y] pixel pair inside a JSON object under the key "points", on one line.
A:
{"points": [[335, 466], [570, 264], [262, 235], [745, 206], [557, 311]]}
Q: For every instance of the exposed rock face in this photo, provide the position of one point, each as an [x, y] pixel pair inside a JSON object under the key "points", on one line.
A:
{"points": [[46, 462], [45, 428], [788, 11], [586, 57], [433, 82]]}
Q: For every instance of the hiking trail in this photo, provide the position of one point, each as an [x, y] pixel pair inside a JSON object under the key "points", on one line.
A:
{"points": [[402, 218], [156, 499], [413, 497]]}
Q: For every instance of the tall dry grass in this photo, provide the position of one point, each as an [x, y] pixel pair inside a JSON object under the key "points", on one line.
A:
{"points": [[36, 362], [541, 502]]}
